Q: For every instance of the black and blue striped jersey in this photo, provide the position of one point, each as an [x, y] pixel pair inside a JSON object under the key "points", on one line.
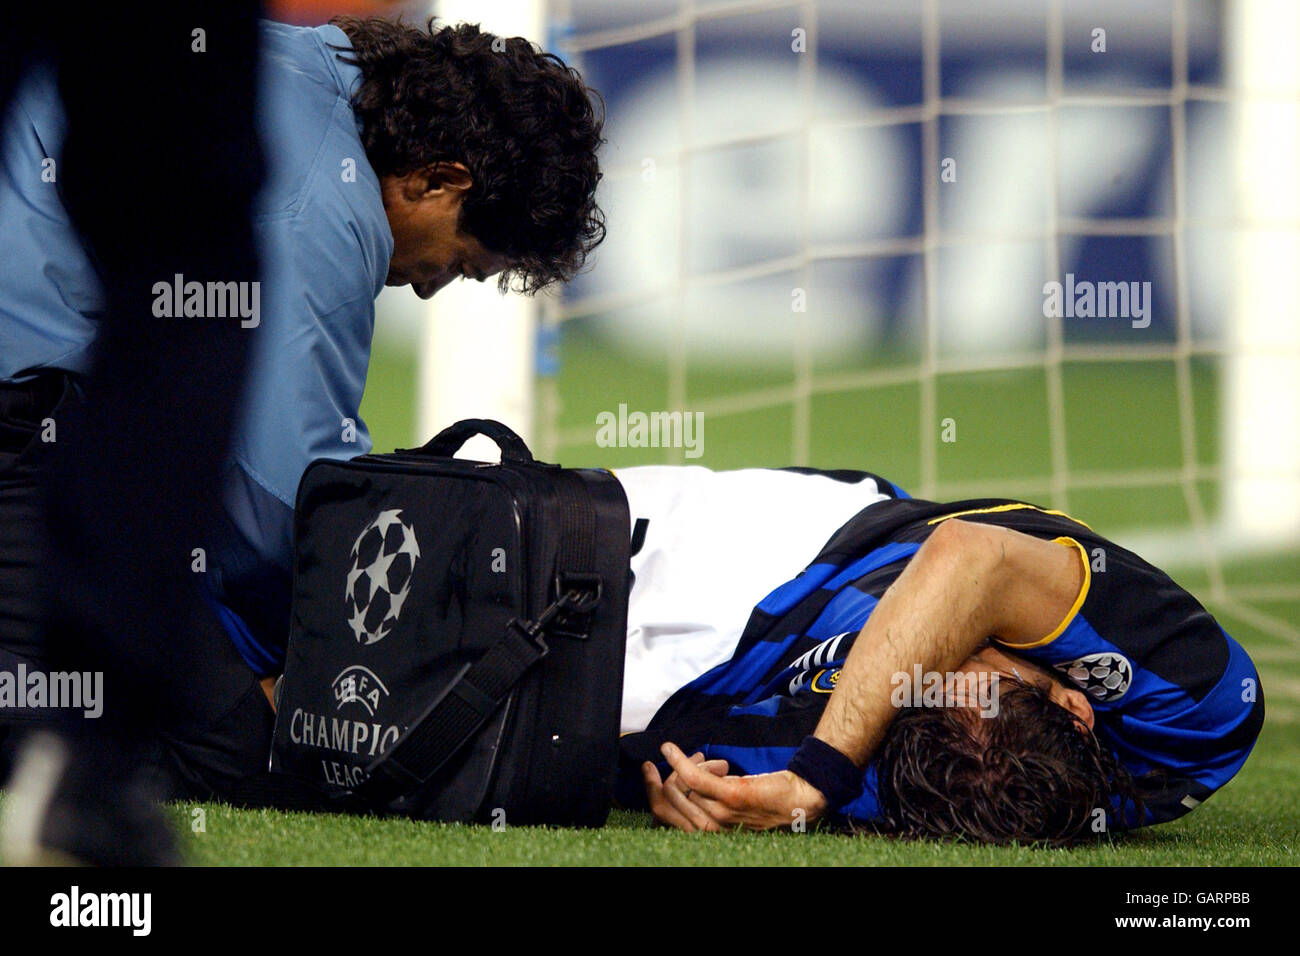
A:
{"points": [[1176, 698]]}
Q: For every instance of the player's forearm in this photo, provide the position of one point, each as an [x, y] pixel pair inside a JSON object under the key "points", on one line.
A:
{"points": [[936, 614]]}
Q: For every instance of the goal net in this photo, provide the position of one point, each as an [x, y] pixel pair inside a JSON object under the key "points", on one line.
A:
{"points": [[1044, 250]]}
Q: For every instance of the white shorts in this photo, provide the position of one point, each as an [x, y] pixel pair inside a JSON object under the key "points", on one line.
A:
{"points": [[717, 543]]}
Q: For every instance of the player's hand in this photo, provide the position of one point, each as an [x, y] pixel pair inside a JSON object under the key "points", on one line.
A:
{"points": [[668, 800], [760, 802]]}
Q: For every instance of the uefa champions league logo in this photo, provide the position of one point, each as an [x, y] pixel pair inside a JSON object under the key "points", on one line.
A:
{"points": [[1105, 677], [379, 580], [359, 685]]}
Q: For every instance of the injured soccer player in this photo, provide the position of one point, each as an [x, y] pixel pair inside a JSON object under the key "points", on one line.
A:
{"points": [[810, 648], [989, 670]]}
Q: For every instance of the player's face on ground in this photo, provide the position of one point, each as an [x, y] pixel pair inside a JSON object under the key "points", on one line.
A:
{"points": [[989, 660], [429, 248]]}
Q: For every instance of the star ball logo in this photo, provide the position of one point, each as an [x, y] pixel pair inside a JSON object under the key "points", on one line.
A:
{"points": [[1105, 677], [379, 580]]}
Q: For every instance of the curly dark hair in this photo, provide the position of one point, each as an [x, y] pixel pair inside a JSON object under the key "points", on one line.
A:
{"points": [[1033, 774], [522, 122]]}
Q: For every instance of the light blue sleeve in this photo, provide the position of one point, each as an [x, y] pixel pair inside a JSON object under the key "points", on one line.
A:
{"points": [[325, 245], [323, 264], [50, 296]]}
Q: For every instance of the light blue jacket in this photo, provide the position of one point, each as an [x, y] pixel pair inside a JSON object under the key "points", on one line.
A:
{"points": [[325, 246]]}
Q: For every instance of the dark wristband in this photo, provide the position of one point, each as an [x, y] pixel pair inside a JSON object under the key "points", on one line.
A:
{"points": [[835, 775]]}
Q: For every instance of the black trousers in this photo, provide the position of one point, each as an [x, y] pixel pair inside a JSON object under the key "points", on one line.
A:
{"points": [[159, 173], [225, 736]]}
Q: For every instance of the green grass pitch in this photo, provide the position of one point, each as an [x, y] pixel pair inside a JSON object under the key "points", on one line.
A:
{"points": [[1253, 821], [1002, 431]]}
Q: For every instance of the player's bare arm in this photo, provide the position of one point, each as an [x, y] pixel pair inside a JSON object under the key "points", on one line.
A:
{"points": [[969, 582]]}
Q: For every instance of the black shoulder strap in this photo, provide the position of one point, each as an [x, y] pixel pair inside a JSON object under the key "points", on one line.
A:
{"points": [[453, 717], [431, 740]]}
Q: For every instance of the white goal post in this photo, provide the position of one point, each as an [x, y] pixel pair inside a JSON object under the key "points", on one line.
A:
{"points": [[477, 348], [1262, 381]]}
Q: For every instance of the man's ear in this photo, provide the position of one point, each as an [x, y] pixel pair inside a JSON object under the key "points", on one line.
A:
{"points": [[453, 177], [434, 179], [1077, 703]]}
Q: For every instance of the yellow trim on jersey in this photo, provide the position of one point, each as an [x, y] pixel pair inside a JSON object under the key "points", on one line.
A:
{"points": [[1015, 506], [1074, 608], [834, 679]]}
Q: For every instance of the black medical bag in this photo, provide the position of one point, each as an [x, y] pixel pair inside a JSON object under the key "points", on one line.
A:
{"points": [[457, 634]]}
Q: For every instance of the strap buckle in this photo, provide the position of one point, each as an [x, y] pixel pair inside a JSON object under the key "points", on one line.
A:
{"points": [[581, 591], [580, 594], [569, 615], [532, 631]]}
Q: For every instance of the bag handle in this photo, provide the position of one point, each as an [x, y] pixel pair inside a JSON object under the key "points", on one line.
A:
{"points": [[449, 441]]}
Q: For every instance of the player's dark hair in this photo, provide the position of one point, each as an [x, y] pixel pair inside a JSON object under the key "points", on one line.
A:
{"points": [[1031, 774], [522, 122]]}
